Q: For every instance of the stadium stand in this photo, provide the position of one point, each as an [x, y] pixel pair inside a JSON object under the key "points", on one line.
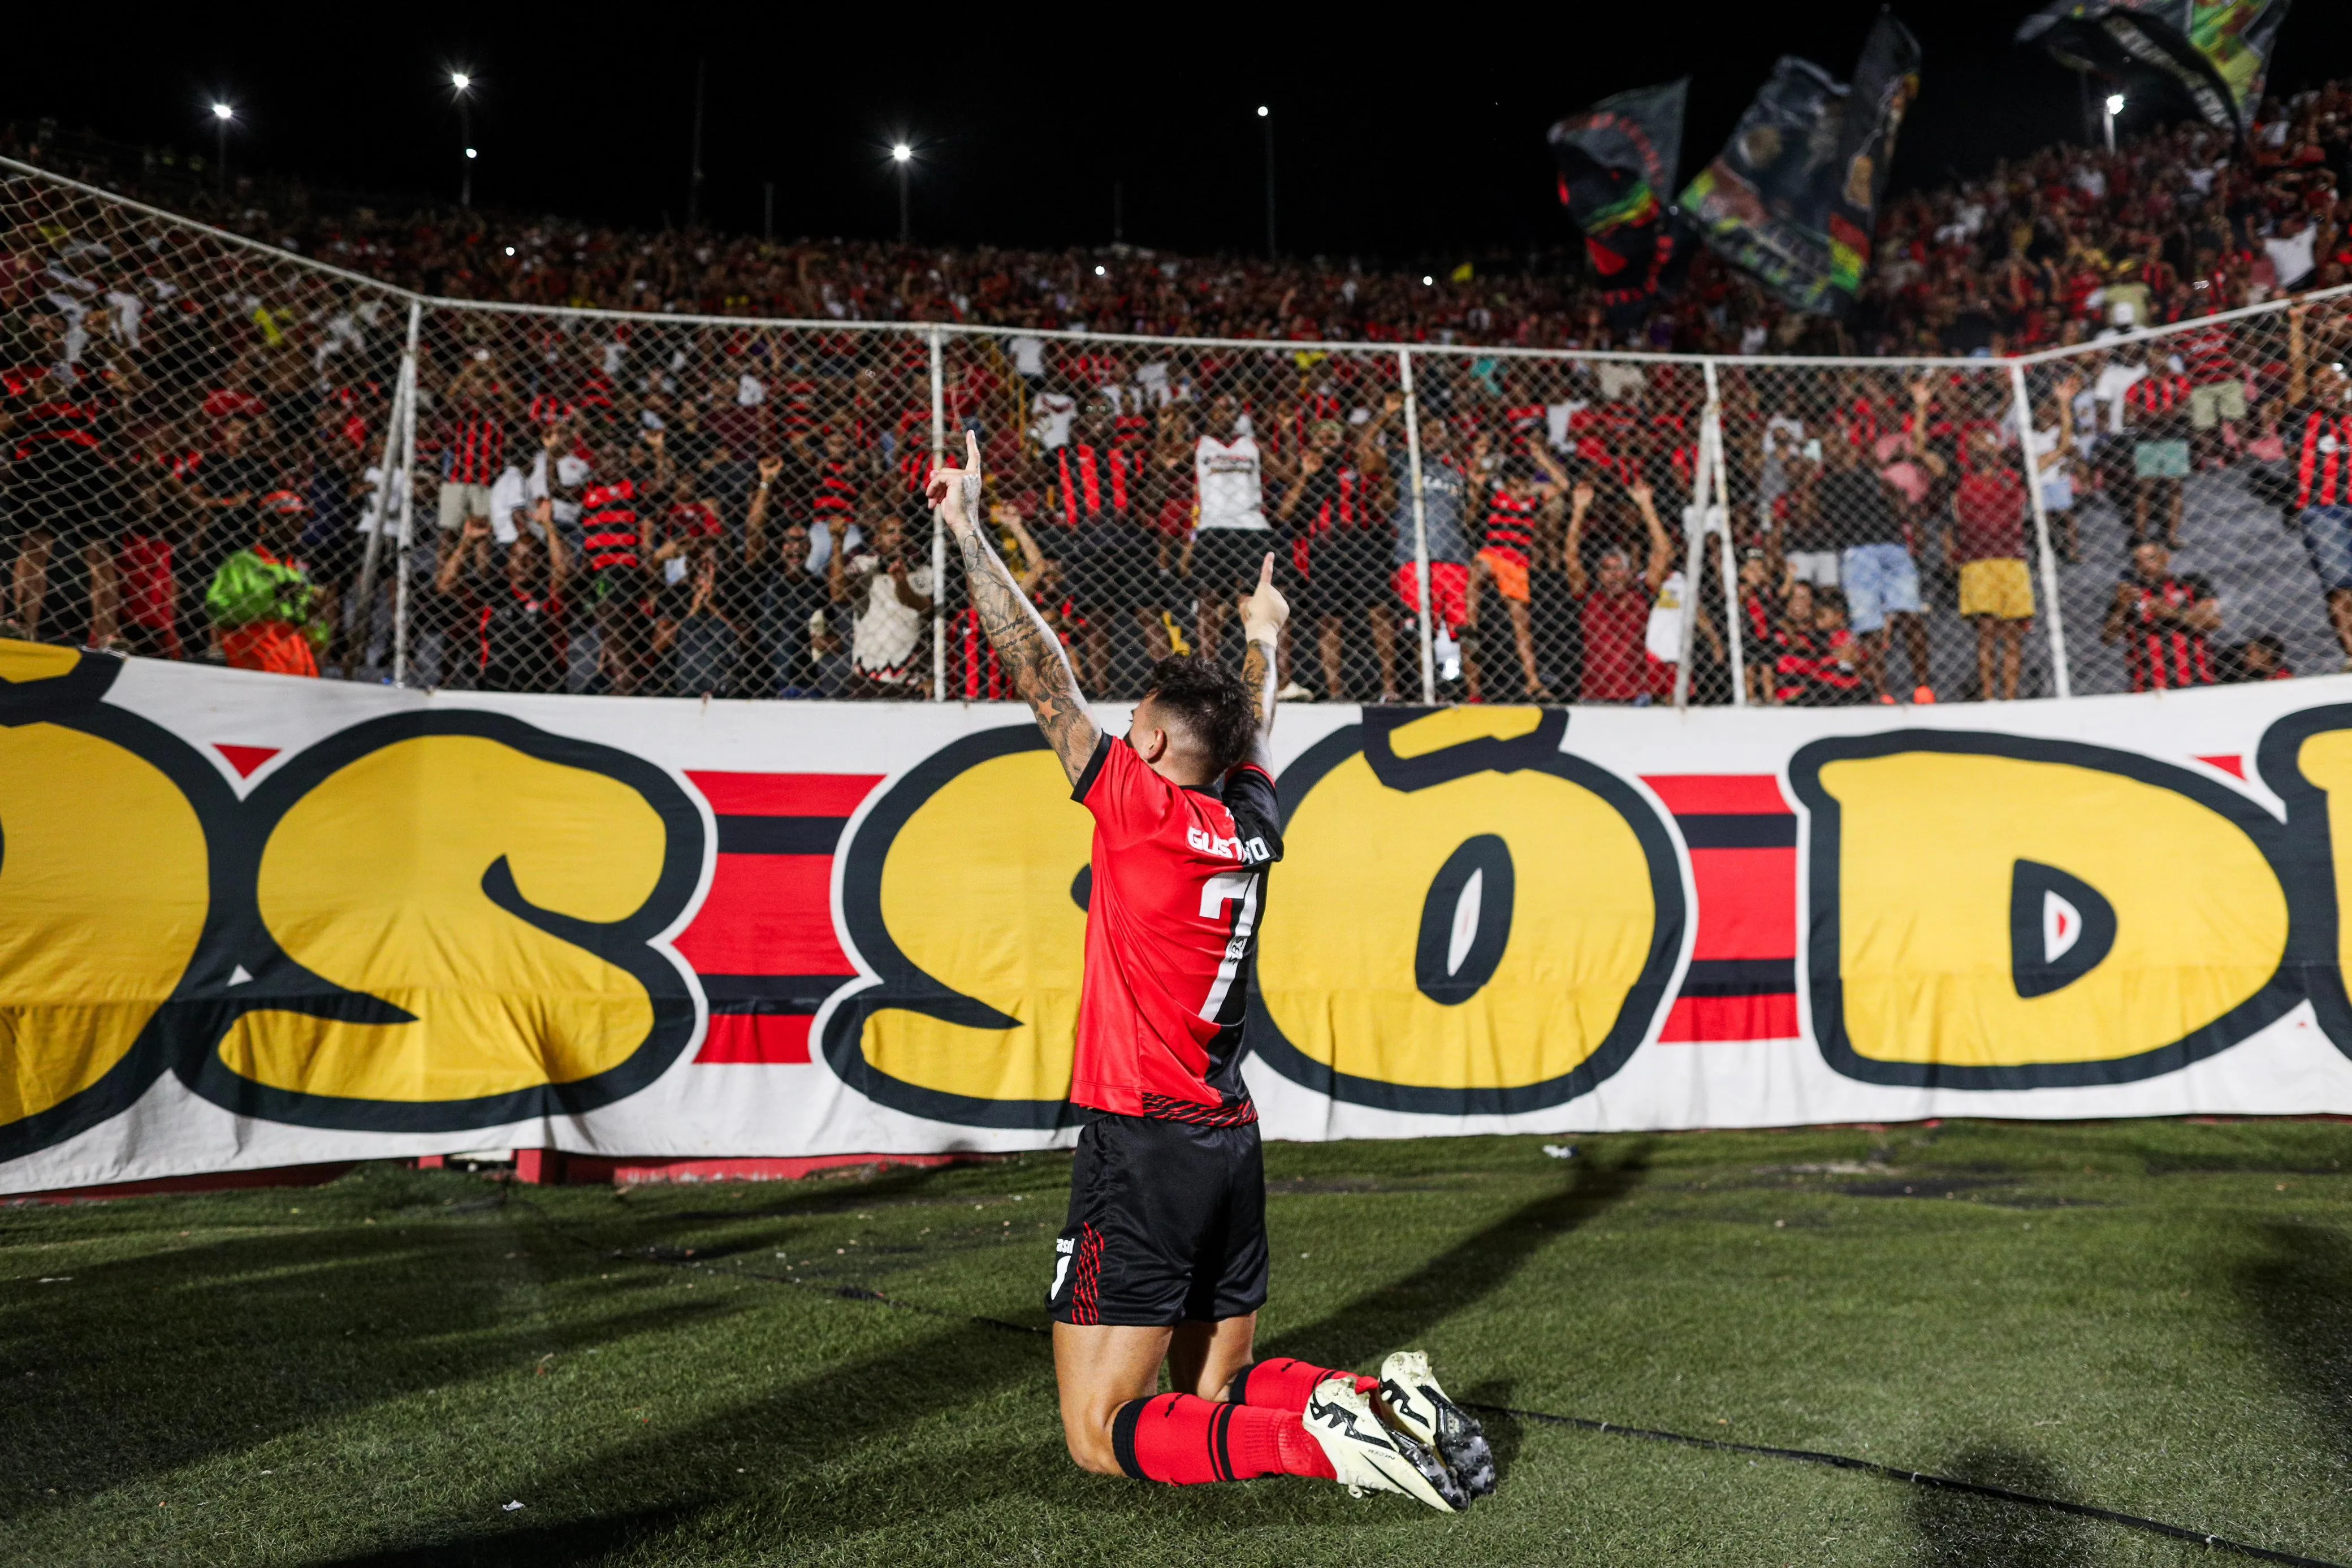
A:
{"points": [[201, 438]]}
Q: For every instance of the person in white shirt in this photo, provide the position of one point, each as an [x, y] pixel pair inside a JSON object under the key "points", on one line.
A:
{"points": [[2291, 250], [1232, 536], [888, 590], [1050, 414]]}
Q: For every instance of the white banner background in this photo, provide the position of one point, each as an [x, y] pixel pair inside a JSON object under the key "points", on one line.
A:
{"points": [[700, 1109]]}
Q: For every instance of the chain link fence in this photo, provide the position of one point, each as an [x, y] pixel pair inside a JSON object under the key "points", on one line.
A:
{"points": [[217, 449]]}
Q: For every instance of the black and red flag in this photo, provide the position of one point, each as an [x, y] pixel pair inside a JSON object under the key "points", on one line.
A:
{"points": [[2216, 51], [1615, 161], [1792, 199]]}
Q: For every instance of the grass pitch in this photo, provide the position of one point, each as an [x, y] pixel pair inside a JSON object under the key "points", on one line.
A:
{"points": [[2151, 1317]]}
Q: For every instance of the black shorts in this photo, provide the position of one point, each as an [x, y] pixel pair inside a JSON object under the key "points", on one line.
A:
{"points": [[1351, 571], [1118, 569], [1226, 561], [1167, 1226]]}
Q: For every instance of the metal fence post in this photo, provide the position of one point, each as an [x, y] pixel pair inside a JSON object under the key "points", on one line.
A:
{"points": [[2058, 674], [939, 535], [1711, 450], [408, 511], [1703, 495], [404, 387], [1420, 529]]}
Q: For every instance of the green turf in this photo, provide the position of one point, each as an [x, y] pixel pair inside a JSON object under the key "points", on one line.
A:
{"points": [[2151, 1317]]}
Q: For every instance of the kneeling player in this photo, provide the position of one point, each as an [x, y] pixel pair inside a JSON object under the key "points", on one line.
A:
{"points": [[1164, 1258]]}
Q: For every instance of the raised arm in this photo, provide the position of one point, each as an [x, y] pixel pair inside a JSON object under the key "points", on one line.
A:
{"points": [[1028, 647], [1262, 615], [1662, 544]]}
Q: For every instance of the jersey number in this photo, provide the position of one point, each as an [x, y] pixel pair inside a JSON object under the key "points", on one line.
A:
{"points": [[1215, 894]]}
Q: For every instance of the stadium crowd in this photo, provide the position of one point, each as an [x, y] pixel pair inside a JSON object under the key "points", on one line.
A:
{"points": [[649, 506]]}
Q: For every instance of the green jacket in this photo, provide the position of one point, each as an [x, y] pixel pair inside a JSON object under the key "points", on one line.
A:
{"points": [[253, 586]]}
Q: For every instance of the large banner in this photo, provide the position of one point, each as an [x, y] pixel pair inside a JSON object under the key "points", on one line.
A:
{"points": [[2216, 51], [1793, 197], [249, 921]]}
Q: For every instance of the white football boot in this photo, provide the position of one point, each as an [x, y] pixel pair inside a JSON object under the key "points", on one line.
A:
{"points": [[1419, 1409], [1368, 1455]]}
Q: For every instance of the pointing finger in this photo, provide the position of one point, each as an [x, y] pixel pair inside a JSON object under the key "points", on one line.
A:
{"points": [[1266, 573]]}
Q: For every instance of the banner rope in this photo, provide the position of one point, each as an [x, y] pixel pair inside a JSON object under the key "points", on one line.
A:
{"points": [[673, 1259]]}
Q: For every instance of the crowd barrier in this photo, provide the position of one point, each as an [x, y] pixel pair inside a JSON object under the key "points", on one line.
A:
{"points": [[732, 506], [256, 921]]}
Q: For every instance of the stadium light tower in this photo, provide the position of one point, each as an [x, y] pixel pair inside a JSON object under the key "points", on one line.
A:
{"points": [[461, 90], [222, 114], [2114, 106], [1265, 113], [903, 156]]}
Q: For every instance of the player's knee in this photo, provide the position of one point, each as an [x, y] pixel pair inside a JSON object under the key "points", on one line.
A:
{"points": [[1090, 1447]]}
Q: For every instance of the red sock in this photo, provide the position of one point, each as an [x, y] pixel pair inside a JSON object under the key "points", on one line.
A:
{"points": [[1185, 1440], [1283, 1383]]}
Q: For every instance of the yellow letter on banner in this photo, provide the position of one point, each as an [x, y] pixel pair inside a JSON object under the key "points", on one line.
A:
{"points": [[962, 892], [1991, 912], [1465, 920], [462, 905], [103, 893]]}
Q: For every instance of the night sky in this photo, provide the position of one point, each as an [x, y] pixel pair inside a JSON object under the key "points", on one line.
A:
{"points": [[1401, 132]]}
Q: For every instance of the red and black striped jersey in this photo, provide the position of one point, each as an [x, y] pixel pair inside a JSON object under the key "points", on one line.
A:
{"points": [[46, 411], [476, 444], [834, 497], [2165, 656], [2210, 355], [1092, 481], [2324, 466], [608, 522], [1511, 525], [2156, 396]]}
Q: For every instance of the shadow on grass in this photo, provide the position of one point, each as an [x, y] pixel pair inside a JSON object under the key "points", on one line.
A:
{"points": [[2299, 1289], [861, 1447], [597, 1539], [836, 1451], [137, 1367], [1397, 1314], [1981, 1532]]}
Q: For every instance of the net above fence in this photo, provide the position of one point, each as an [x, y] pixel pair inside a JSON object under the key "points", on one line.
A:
{"points": [[216, 449]]}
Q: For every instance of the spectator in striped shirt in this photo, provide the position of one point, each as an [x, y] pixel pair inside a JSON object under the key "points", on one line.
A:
{"points": [[2165, 622], [2315, 429], [475, 440], [2216, 399], [2156, 413], [1530, 483], [620, 493]]}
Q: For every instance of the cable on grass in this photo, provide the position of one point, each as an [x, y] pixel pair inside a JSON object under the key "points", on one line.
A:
{"points": [[1549, 1419]]}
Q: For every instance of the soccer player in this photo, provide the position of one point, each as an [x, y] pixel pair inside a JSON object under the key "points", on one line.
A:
{"points": [[1164, 1258]]}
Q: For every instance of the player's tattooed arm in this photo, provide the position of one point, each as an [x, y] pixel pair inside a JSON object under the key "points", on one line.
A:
{"points": [[1028, 649], [1262, 615]]}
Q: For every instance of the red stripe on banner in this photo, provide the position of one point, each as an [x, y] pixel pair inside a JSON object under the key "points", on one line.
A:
{"points": [[1695, 794], [1699, 1020], [766, 914], [2234, 765], [784, 794], [1747, 903], [772, 1039]]}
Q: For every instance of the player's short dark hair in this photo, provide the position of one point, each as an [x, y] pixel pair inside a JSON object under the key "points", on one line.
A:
{"points": [[1212, 704]]}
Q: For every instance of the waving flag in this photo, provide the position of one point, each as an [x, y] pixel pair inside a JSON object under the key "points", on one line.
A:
{"points": [[1614, 159], [2218, 51], [1793, 197]]}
